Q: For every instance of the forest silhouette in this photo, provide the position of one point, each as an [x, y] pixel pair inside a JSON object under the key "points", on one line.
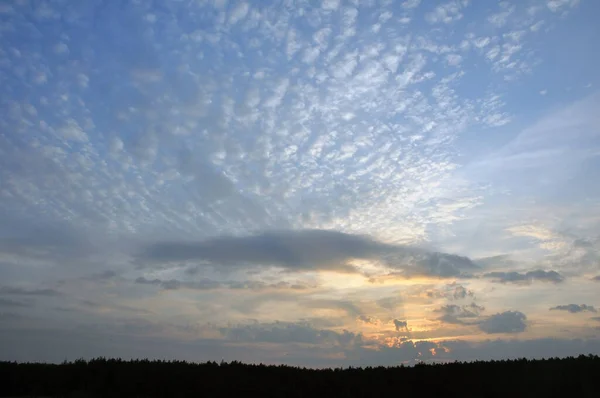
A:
{"points": [[567, 377]]}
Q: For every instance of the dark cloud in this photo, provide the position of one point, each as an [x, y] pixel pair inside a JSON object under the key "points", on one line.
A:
{"points": [[9, 316], [110, 306], [390, 303], [504, 322], [259, 285], [583, 243], [297, 250], [459, 292], [525, 278], [574, 308], [174, 284], [104, 275], [208, 284], [4, 302], [460, 314], [289, 332], [18, 291], [596, 278], [298, 344], [368, 319], [308, 250], [36, 237], [400, 325], [414, 262]]}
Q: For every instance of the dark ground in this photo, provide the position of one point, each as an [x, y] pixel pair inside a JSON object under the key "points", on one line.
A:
{"points": [[569, 377]]}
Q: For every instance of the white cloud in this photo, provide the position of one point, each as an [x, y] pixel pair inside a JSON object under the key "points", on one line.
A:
{"points": [[445, 13], [239, 12], [411, 4], [559, 5], [453, 59], [330, 4], [61, 48], [72, 131], [500, 19]]}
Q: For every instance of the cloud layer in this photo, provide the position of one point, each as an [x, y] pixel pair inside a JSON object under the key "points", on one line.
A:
{"points": [[336, 182]]}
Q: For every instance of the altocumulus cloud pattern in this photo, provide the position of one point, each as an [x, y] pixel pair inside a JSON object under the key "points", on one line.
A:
{"points": [[322, 183]]}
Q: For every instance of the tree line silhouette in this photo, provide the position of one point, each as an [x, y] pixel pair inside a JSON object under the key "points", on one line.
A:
{"points": [[568, 377]]}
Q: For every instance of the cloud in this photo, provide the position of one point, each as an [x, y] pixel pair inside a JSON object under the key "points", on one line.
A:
{"points": [[174, 284], [435, 264], [289, 332], [408, 4], [331, 5], [19, 291], [525, 278], [240, 143], [558, 5], [308, 250], [596, 278], [238, 12], [400, 325], [348, 307], [459, 292], [104, 275], [574, 308], [457, 314], [4, 302], [105, 341], [504, 322], [368, 319], [9, 317], [446, 13], [296, 250], [208, 284]]}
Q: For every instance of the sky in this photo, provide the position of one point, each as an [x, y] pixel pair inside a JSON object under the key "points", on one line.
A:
{"points": [[312, 183]]}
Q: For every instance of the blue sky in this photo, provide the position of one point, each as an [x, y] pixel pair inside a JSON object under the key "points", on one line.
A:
{"points": [[303, 182]]}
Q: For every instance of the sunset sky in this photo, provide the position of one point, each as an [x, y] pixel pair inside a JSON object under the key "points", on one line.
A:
{"points": [[315, 183]]}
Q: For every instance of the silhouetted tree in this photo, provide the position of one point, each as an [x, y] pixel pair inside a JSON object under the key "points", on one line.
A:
{"points": [[101, 377]]}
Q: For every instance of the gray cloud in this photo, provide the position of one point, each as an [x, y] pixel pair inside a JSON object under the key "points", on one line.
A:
{"points": [[4, 302], [9, 316], [19, 291], [103, 276], [414, 262], [307, 250], [368, 319], [390, 303], [174, 284], [504, 322], [208, 284], [297, 250], [348, 306], [526, 278], [459, 292], [596, 278], [574, 308], [299, 344], [456, 314], [289, 332], [118, 307], [400, 325]]}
